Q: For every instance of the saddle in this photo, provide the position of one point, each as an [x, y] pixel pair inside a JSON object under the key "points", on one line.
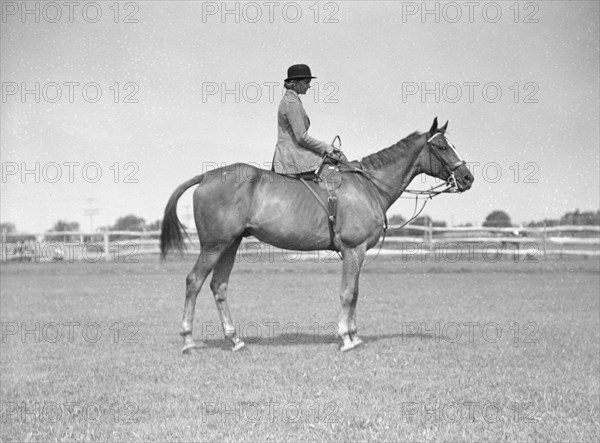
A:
{"points": [[328, 177]]}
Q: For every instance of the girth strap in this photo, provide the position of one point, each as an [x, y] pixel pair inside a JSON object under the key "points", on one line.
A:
{"points": [[330, 210]]}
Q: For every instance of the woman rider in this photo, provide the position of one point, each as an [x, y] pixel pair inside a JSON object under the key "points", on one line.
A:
{"points": [[296, 151]]}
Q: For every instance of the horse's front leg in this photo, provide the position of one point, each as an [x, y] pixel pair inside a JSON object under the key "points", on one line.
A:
{"points": [[356, 341], [352, 261]]}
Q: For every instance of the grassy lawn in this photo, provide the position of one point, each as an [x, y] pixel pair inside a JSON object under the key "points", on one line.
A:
{"points": [[470, 351]]}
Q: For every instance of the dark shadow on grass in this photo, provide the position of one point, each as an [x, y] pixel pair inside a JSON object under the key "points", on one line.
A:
{"points": [[304, 339]]}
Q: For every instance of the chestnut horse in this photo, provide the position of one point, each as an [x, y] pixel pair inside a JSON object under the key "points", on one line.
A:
{"points": [[240, 200]]}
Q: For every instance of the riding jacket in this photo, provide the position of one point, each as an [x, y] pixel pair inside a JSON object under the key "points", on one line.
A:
{"points": [[296, 151]]}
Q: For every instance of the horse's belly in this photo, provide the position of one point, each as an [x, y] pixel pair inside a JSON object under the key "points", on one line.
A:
{"points": [[289, 231], [288, 216]]}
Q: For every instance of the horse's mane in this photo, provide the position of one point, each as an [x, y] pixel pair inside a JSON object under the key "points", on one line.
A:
{"points": [[389, 155]]}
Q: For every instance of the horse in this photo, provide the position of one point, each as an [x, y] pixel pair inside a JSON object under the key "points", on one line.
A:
{"points": [[240, 200]]}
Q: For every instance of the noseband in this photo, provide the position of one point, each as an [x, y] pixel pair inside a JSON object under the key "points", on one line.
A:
{"points": [[450, 167]]}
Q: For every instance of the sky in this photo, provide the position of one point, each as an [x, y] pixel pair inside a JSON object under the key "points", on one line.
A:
{"points": [[107, 107]]}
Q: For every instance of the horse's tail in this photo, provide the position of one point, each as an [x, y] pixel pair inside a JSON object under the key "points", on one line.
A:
{"points": [[171, 234]]}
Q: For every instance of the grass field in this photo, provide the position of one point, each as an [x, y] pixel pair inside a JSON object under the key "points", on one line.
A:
{"points": [[470, 351]]}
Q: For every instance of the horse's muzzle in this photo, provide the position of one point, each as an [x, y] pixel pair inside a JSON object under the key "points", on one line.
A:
{"points": [[465, 182]]}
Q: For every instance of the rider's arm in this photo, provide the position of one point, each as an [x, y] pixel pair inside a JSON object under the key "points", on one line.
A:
{"points": [[296, 120]]}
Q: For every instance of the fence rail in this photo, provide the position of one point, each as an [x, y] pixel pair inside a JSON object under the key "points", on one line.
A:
{"points": [[113, 245]]}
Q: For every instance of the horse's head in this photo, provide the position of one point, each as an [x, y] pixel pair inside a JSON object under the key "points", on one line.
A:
{"points": [[440, 159]]}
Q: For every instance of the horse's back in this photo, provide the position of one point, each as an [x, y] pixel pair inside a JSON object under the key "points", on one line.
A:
{"points": [[243, 199], [235, 173]]}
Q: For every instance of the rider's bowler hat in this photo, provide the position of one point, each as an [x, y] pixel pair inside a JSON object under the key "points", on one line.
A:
{"points": [[296, 72]]}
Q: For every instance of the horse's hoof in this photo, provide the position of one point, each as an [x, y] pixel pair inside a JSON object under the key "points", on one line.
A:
{"points": [[356, 341], [351, 345], [240, 345], [191, 350], [346, 347]]}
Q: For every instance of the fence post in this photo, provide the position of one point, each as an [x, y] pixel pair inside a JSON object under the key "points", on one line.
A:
{"points": [[544, 234], [2, 255], [106, 252], [428, 235], [431, 234]]}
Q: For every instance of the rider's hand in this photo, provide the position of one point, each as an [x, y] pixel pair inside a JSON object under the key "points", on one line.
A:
{"points": [[339, 155]]}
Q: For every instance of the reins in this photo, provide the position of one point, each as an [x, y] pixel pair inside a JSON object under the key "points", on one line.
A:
{"points": [[451, 185]]}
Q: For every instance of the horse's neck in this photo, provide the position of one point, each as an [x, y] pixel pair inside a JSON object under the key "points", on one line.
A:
{"points": [[398, 171]]}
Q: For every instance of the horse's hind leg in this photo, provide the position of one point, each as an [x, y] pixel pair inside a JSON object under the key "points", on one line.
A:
{"points": [[195, 279], [218, 285]]}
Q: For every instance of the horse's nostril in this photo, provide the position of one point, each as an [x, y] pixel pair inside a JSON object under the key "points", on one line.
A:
{"points": [[468, 178]]}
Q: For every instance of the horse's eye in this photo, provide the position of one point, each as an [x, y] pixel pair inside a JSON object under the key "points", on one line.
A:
{"points": [[442, 147]]}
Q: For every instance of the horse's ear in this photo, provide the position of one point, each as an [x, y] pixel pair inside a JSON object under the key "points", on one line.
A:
{"points": [[434, 127], [443, 128]]}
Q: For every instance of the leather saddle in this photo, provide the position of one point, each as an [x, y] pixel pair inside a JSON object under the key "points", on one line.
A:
{"points": [[329, 178]]}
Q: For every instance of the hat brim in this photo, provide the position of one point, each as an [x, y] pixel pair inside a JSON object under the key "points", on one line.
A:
{"points": [[298, 77]]}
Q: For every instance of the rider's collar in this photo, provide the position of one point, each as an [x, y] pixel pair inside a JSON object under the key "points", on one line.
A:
{"points": [[292, 97]]}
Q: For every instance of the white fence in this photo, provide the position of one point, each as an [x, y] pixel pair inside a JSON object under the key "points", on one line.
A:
{"points": [[125, 246]]}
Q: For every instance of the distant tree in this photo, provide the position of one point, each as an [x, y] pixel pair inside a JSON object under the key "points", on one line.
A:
{"points": [[546, 222], [396, 219], [497, 219], [8, 227], [155, 226], [570, 218], [129, 223], [581, 218], [425, 220], [63, 225]]}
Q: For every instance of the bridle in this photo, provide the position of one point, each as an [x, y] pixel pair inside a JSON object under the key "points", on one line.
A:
{"points": [[451, 184], [450, 167]]}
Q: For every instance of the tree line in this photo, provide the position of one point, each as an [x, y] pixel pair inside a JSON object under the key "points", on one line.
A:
{"points": [[495, 219], [501, 219]]}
